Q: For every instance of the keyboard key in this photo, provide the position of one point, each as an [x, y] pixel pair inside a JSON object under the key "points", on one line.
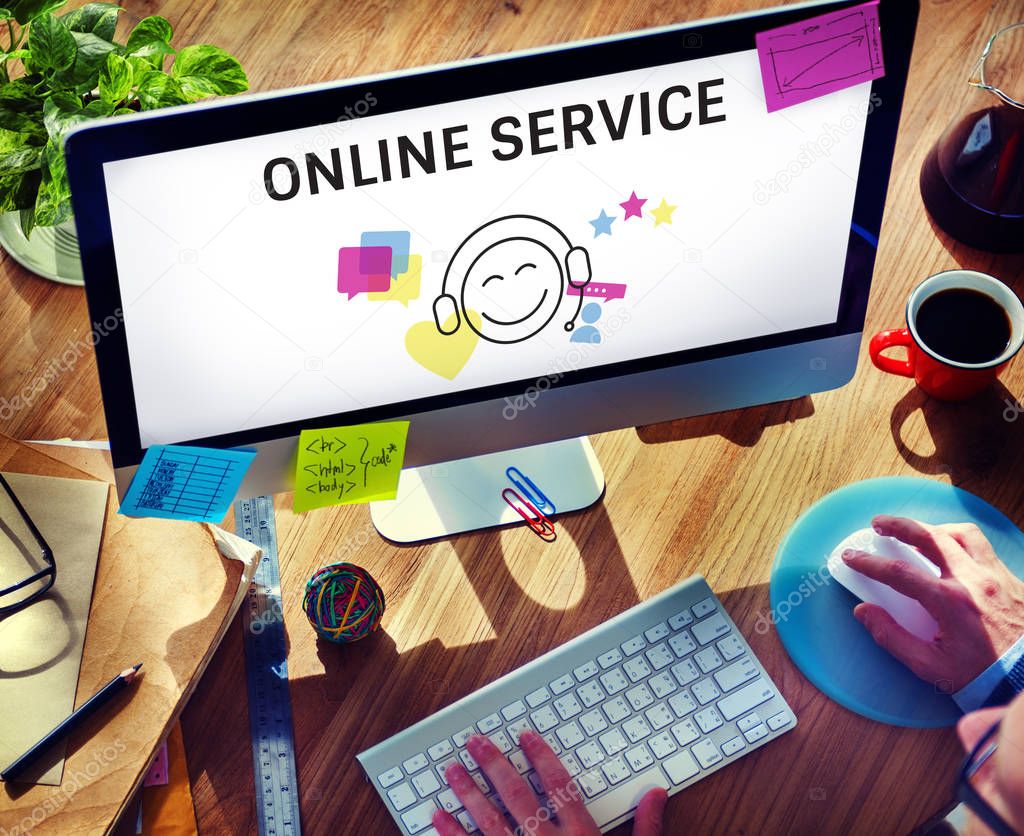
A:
{"points": [[609, 659], [590, 755], [536, 783], [708, 720], [439, 750], [660, 656], [570, 734], [426, 784], [500, 739], [703, 608], [682, 703], [705, 691], [710, 629], [708, 659], [419, 818], [538, 697], [741, 701], [562, 684], [616, 709], [402, 796], [639, 757], [680, 620], [755, 734], [449, 801], [685, 672], [481, 782], [568, 706], [659, 716], [572, 766], [517, 728], [637, 669], [732, 746], [552, 741], [778, 721], [685, 732], [682, 644], [544, 719], [513, 710], [467, 760], [730, 647], [462, 738], [616, 771], [681, 767], [633, 645], [613, 742], [640, 697], [442, 768], [656, 633], [625, 796], [590, 694], [734, 675], [662, 685], [489, 724], [662, 745], [415, 763], [614, 681], [519, 760], [466, 820], [592, 783], [390, 778], [593, 722], [748, 722], [585, 671], [636, 728], [706, 752]]}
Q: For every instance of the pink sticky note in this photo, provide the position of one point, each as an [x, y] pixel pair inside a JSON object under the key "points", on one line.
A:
{"points": [[820, 55], [158, 775]]}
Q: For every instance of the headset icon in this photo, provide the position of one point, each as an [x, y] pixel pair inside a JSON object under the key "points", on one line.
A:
{"points": [[573, 265]]}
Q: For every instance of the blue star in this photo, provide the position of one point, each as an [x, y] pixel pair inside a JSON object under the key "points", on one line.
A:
{"points": [[602, 224]]}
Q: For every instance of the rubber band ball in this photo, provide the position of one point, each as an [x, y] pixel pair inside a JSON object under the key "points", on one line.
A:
{"points": [[343, 603]]}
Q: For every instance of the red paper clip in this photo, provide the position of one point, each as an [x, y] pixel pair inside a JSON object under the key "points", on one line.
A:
{"points": [[541, 525]]}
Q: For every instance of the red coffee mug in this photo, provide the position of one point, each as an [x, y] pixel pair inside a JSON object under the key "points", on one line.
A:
{"points": [[940, 377]]}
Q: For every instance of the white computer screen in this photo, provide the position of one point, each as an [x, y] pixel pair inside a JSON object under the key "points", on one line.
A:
{"points": [[293, 275]]}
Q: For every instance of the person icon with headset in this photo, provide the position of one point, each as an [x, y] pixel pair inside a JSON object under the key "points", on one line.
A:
{"points": [[514, 273]]}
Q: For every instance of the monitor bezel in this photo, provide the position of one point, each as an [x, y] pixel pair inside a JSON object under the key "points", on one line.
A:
{"points": [[90, 146]]}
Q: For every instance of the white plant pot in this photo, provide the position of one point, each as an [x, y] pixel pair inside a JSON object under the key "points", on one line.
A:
{"points": [[51, 251]]}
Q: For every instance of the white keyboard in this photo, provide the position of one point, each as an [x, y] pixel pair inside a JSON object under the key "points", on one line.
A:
{"points": [[661, 695]]}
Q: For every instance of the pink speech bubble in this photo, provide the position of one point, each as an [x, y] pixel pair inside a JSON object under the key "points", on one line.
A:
{"points": [[600, 290], [364, 269]]}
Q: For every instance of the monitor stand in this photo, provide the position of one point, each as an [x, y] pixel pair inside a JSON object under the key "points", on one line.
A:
{"points": [[466, 494]]}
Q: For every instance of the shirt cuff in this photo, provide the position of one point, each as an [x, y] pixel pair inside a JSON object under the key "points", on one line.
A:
{"points": [[975, 693]]}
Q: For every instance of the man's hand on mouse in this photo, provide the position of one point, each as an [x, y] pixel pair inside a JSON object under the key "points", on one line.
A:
{"points": [[977, 601], [534, 818]]}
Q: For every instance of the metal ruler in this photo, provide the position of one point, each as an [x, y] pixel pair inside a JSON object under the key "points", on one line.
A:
{"points": [[266, 674]]}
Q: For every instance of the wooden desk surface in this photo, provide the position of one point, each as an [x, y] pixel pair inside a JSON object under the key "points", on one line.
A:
{"points": [[713, 495]]}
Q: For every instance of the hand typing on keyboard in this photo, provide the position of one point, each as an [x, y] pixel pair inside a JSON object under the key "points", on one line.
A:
{"points": [[534, 817], [977, 601]]}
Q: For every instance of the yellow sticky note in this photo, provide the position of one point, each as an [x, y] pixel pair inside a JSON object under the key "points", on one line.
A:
{"points": [[344, 465]]}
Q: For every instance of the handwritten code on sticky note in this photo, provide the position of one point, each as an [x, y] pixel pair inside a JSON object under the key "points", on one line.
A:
{"points": [[820, 55], [343, 465], [186, 483]]}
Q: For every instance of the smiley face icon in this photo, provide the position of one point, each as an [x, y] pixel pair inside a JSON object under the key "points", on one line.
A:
{"points": [[515, 273]]}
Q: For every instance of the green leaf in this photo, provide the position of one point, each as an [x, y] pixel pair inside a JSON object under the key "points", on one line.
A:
{"points": [[20, 95], [17, 53], [17, 112], [27, 10], [6, 14], [152, 55], [203, 70], [61, 112], [52, 44], [20, 161], [28, 220], [11, 140], [53, 202], [115, 79], [149, 30], [18, 191], [158, 90], [98, 18], [90, 58]]}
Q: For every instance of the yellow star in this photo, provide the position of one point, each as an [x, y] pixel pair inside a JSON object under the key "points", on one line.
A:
{"points": [[663, 214]]}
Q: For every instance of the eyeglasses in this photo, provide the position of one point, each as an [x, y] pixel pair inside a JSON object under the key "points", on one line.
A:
{"points": [[10, 601], [970, 796]]}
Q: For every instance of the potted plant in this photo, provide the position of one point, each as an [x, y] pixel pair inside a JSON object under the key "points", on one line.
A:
{"points": [[58, 71]]}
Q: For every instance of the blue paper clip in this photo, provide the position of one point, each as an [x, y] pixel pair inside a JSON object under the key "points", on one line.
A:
{"points": [[541, 525], [532, 493]]}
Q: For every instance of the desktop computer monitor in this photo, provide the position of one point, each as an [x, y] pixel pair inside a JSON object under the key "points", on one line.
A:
{"points": [[506, 251]]}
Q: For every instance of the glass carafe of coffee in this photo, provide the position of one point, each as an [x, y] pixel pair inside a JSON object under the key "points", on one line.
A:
{"points": [[972, 182]]}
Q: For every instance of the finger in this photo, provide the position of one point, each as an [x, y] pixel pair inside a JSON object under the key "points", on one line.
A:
{"points": [[650, 813], [446, 825], [972, 540], [902, 576], [931, 541], [913, 652], [487, 817], [519, 797], [558, 784]]}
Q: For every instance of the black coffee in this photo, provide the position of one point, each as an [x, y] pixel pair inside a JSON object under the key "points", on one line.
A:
{"points": [[963, 325]]}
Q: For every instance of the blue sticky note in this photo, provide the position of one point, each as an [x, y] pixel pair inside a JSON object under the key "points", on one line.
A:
{"points": [[186, 483], [399, 243]]}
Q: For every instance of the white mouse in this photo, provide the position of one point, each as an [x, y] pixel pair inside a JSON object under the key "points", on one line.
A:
{"points": [[905, 611]]}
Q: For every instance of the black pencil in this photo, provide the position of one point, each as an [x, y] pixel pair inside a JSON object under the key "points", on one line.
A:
{"points": [[122, 680]]}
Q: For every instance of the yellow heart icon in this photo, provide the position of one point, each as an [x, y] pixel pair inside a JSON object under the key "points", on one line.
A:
{"points": [[443, 354]]}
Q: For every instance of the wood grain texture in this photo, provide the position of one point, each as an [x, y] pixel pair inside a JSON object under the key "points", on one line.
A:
{"points": [[713, 495]]}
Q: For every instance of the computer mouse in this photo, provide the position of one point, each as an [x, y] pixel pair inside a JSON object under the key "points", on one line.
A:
{"points": [[905, 611]]}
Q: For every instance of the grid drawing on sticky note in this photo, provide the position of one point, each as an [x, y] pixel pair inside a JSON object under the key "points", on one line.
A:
{"points": [[185, 483]]}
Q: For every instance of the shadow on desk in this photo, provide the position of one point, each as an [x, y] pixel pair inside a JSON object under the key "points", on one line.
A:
{"points": [[1007, 267], [740, 426]]}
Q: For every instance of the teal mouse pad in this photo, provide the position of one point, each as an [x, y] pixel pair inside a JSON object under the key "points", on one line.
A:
{"points": [[814, 614]]}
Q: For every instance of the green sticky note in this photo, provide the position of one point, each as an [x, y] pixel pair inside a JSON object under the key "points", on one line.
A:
{"points": [[345, 465]]}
